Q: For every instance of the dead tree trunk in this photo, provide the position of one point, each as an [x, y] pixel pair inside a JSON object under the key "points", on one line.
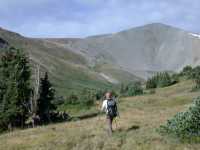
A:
{"points": [[35, 95]]}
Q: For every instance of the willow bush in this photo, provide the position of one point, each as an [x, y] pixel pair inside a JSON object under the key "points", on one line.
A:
{"points": [[184, 124]]}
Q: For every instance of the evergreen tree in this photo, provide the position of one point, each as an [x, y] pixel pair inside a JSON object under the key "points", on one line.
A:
{"points": [[15, 88], [195, 75], [187, 72], [151, 83], [45, 101], [161, 79], [131, 89], [164, 80], [135, 89]]}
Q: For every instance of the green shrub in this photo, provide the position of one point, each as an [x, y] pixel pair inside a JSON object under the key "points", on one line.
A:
{"points": [[184, 124], [175, 78], [85, 98], [192, 73], [72, 99], [135, 89], [132, 89], [187, 72]]}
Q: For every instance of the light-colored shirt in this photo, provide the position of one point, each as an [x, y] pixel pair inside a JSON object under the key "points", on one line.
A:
{"points": [[105, 105]]}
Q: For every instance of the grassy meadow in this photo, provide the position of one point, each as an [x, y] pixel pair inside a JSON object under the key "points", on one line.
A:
{"points": [[140, 116]]}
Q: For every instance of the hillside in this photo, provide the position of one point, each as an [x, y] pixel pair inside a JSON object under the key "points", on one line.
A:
{"points": [[69, 71], [139, 117], [143, 49], [102, 61]]}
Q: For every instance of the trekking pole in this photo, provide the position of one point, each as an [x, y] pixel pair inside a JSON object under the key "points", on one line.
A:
{"points": [[116, 123], [99, 111]]}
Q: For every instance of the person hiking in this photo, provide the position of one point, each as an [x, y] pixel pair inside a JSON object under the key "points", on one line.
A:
{"points": [[109, 106]]}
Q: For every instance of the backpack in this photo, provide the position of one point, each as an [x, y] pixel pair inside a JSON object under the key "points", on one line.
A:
{"points": [[112, 108]]}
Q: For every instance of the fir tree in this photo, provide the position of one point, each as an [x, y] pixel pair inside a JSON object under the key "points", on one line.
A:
{"points": [[187, 72], [161, 79], [45, 101], [15, 88], [195, 75]]}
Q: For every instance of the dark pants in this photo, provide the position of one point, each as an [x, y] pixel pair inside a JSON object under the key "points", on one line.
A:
{"points": [[109, 121]]}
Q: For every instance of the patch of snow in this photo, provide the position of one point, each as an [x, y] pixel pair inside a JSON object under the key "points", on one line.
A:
{"points": [[109, 79], [195, 35]]}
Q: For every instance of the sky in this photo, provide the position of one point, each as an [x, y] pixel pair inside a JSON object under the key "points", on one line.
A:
{"points": [[81, 18]]}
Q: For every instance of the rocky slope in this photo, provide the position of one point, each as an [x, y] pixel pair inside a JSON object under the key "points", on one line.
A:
{"points": [[153, 47]]}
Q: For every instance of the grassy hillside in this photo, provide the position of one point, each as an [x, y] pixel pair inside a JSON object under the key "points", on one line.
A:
{"points": [[140, 116], [68, 70], [117, 73]]}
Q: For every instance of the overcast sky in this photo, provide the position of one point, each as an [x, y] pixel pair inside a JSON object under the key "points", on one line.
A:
{"points": [[79, 18]]}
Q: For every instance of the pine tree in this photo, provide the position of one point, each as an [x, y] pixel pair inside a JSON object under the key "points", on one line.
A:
{"points": [[164, 79], [151, 83], [187, 72], [15, 88], [161, 79], [195, 75], [46, 96]]}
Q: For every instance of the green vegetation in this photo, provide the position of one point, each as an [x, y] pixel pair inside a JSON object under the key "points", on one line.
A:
{"points": [[17, 99], [16, 95], [68, 71], [140, 116], [187, 72], [192, 73], [44, 103], [185, 124], [196, 76], [83, 101], [161, 79], [15, 88], [132, 89]]}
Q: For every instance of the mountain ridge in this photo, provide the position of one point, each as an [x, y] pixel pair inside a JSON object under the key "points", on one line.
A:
{"points": [[154, 40], [69, 71], [129, 55]]}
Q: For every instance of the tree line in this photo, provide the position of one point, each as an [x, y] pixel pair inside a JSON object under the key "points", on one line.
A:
{"points": [[17, 103]]}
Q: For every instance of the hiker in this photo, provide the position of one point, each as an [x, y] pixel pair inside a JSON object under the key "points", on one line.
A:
{"points": [[109, 106]]}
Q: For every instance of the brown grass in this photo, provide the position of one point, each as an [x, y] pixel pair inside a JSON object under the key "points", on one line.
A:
{"points": [[135, 130]]}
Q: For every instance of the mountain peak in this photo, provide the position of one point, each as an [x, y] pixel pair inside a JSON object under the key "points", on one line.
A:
{"points": [[156, 24], [160, 26]]}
